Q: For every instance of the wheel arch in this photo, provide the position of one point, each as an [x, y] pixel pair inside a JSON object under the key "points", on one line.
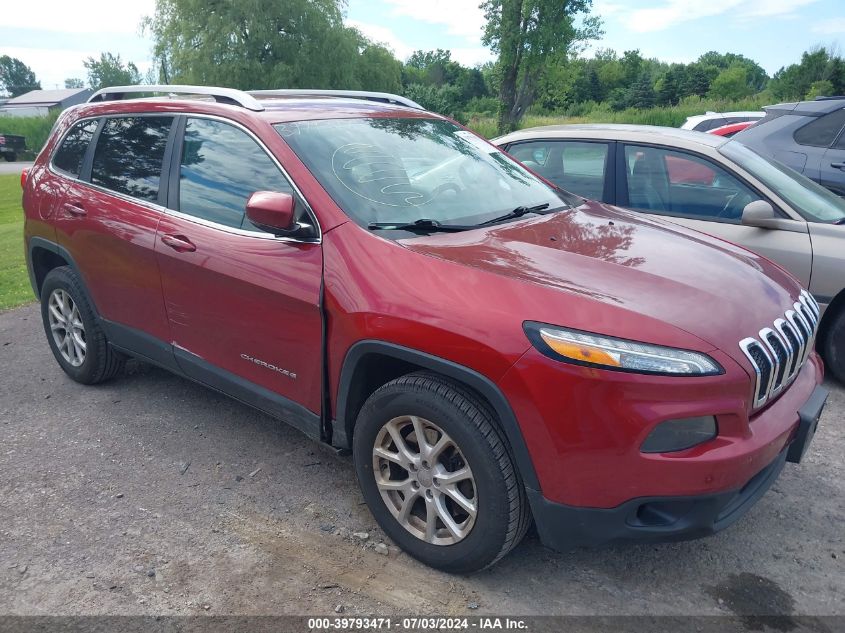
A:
{"points": [[370, 364], [44, 256], [834, 308]]}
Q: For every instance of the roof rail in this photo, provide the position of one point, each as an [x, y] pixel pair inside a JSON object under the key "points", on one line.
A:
{"points": [[223, 95], [383, 97]]}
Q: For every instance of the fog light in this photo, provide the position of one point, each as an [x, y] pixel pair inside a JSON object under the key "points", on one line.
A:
{"points": [[677, 435]]}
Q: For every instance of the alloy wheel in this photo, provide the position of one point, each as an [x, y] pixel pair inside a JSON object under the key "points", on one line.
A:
{"points": [[66, 327], [424, 480]]}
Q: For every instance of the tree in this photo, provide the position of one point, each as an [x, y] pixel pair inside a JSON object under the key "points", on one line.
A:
{"points": [[110, 70], [379, 70], [262, 44], [822, 88], [525, 33], [731, 83], [668, 89], [641, 93], [74, 82], [16, 78]]}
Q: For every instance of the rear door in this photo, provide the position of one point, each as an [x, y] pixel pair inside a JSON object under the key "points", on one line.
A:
{"points": [[816, 139], [243, 305], [107, 221], [694, 191], [832, 171]]}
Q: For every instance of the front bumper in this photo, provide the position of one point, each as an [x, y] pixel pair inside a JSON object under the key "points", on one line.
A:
{"points": [[670, 518]]}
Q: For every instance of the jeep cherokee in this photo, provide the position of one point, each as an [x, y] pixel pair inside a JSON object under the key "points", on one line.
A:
{"points": [[491, 349]]}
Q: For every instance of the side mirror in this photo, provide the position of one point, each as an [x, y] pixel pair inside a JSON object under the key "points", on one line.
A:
{"points": [[760, 214], [271, 211]]}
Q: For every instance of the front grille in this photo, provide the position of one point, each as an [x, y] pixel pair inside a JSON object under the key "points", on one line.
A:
{"points": [[777, 354]]}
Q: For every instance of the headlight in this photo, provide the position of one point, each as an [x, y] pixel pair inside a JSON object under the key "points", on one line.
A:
{"points": [[595, 350]]}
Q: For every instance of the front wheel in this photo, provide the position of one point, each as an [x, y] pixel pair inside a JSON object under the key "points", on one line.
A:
{"points": [[436, 474], [10, 158], [833, 346]]}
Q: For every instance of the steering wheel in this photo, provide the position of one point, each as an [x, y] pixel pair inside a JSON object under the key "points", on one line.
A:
{"points": [[736, 200]]}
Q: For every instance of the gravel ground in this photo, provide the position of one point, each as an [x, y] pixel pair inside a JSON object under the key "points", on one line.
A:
{"points": [[152, 495]]}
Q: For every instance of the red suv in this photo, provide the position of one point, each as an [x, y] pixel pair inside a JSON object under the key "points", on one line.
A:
{"points": [[490, 348]]}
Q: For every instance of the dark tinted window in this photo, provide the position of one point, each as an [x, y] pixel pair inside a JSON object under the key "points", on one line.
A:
{"points": [[820, 132], [72, 151], [129, 155], [221, 168]]}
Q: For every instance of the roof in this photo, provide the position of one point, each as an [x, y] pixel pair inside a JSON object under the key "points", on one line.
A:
{"points": [[275, 110], [46, 97], [617, 132]]}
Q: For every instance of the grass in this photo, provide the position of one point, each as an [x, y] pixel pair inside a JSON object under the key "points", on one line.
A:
{"points": [[673, 116], [36, 129], [14, 281]]}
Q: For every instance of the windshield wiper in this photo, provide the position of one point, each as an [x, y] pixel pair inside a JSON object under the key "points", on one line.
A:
{"points": [[516, 213], [423, 225]]}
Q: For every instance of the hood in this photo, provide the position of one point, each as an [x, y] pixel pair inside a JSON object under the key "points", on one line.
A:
{"points": [[712, 289]]}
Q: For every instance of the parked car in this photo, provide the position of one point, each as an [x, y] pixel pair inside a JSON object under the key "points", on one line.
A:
{"points": [[490, 349], [710, 184], [731, 129], [806, 136], [711, 120], [11, 146]]}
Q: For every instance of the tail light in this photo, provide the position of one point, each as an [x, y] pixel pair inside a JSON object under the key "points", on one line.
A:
{"points": [[24, 174]]}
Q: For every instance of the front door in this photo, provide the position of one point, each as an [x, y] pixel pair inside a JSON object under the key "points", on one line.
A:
{"points": [[243, 305], [696, 192]]}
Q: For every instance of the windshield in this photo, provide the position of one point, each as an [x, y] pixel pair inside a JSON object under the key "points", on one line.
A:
{"points": [[402, 170], [810, 199]]}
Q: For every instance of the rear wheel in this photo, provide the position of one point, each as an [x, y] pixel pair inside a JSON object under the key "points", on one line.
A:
{"points": [[436, 474], [73, 331], [10, 158], [833, 346]]}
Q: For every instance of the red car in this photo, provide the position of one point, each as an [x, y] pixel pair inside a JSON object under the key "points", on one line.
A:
{"points": [[490, 349], [731, 128]]}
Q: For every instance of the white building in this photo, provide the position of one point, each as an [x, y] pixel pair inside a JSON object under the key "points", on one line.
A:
{"points": [[42, 102]]}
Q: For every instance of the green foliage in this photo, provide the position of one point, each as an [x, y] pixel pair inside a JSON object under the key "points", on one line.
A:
{"points": [[265, 44], [819, 64], [14, 281], [110, 70], [74, 82], [819, 89], [36, 129], [527, 35], [731, 83], [16, 78]]}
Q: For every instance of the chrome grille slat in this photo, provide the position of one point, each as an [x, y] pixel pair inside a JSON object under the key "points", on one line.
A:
{"points": [[777, 353]]}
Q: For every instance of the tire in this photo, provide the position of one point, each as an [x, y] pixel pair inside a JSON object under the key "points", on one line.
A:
{"points": [[833, 347], [82, 350], [10, 158], [475, 456]]}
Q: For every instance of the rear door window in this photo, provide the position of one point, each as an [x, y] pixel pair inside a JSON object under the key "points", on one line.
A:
{"points": [[821, 132], [221, 167], [68, 158], [576, 166], [129, 154]]}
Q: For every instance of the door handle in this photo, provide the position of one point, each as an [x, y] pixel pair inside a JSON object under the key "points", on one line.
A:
{"points": [[838, 165], [178, 243], [75, 209]]}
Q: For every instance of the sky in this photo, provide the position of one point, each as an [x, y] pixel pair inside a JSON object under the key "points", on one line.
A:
{"points": [[53, 37]]}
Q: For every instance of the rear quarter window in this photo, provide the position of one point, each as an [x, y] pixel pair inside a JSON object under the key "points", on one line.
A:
{"points": [[68, 158], [822, 131]]}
